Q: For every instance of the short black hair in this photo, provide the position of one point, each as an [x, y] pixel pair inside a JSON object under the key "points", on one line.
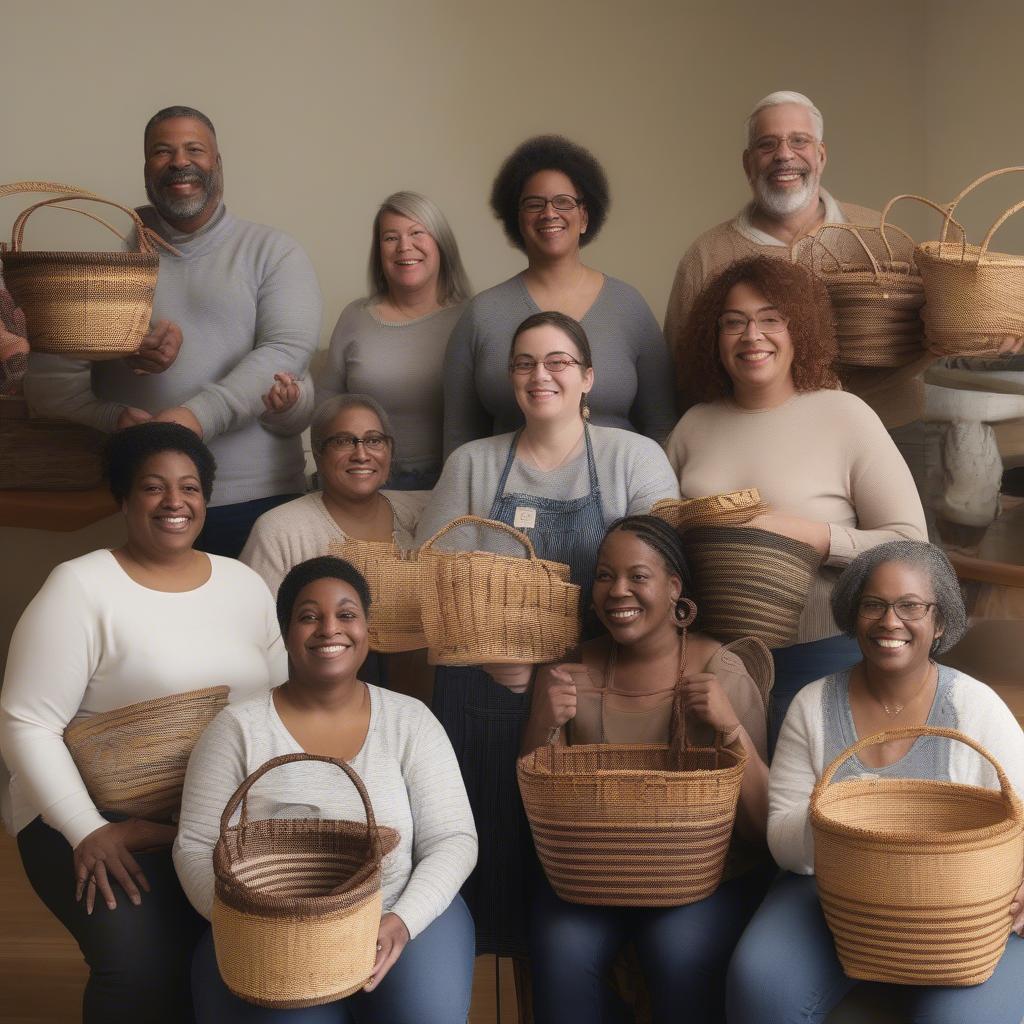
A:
{"points": [[313, 569], [550, 153], [127, 449], [176, 111]]}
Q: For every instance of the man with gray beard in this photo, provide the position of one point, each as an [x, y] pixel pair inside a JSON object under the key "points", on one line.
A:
{"points": [[247, 300]]}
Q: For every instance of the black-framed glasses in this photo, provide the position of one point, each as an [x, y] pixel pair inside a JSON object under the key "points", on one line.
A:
{"points": [[873, 608], [562, 203], [768, 322], [557, 362], [796, 141], [372, 442]]}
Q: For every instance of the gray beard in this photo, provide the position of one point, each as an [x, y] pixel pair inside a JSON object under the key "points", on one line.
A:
{"points": [[186, 207], [778, 203]]}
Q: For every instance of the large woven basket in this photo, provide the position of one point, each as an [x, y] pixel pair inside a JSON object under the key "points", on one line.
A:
{"points": [[732, 509], [394, 579], [89, 305], [916, 877], [297, 901], [972, 294], [479, 607], [132, 760]]}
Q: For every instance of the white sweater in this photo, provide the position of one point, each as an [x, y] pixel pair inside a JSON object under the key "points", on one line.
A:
{"points": [[799, 761], [93, 640], [410, 773]]}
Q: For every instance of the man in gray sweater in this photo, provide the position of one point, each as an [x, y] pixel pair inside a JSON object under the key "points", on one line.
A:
{"points": [[248, 304]]}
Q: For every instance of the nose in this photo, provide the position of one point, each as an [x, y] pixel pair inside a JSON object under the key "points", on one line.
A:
{"points": [[359, 451], [172, 498], [539, 373], [784, 151], [890, 619], [619, 587], [751, 331], [180, 159]]}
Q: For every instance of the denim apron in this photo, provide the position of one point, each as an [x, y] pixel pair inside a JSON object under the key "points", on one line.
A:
{"points": [[484, 721]]}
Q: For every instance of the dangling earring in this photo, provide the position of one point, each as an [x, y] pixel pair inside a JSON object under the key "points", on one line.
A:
{"points": [[584, 408], [684, 611]]}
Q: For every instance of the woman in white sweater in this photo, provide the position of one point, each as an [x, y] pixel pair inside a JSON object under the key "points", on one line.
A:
{"points": [[902, 602], [424, 968], [112, 628]]}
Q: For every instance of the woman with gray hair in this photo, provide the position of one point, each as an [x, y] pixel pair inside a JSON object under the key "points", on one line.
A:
{"points": [[901, 601]]}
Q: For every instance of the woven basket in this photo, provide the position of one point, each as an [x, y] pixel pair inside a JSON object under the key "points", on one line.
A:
{"points": [[916, 877], [750, 582], [394, 579], [733, 509], [481, 608], [89, 305], [972, 293], [132, 760], [297, 901]]}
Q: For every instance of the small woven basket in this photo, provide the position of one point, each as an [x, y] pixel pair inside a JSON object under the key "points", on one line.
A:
{"points": [[297, 901], [915, 876], [733, 509], [89, 305], [394, 579], [479, 607], [133, 759]]}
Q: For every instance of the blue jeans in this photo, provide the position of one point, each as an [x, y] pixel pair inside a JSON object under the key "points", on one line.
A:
{"points": [[430, 983], [683, 951], [785, 971], [227, 527]]}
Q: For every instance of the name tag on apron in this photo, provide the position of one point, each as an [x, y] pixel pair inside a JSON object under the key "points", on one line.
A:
{"points": [[525, 518]]}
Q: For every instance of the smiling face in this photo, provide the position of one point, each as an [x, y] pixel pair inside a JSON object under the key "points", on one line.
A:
{"points": [[165, 508], [183, 172], [354, 474], [784, 179], [409, 255], [544, 395], [550, 234], [757, 363], [634, 594], [327, 637]]}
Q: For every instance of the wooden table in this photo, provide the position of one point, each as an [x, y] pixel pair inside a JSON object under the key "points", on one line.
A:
{"points": [[61, 511]]}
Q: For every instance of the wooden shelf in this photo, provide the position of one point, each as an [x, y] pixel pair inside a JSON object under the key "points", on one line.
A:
{"points": [[60, 511]]}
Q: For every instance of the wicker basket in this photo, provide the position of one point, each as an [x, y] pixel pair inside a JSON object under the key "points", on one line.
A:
{"points": [[297, 901], [394, 579], [916, 877], [733, 509], [479, 607], [89, 305], [132, 760]]}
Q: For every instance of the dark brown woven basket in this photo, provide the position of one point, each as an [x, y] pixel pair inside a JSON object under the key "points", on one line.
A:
{"points": [[732, 509]]}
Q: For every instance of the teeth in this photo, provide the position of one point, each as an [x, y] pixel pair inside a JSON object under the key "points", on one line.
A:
{"points": [[624, 614], [755, 357], [890, 644], [174, 520], [332, 649]]}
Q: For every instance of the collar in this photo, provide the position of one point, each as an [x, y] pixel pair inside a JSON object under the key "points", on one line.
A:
{"points": [[742, 224], [171, 234]]}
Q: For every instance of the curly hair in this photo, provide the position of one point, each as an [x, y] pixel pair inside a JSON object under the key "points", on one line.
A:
{"points": [[796, 293], [550, 153], [127, 449], [324, 567]]}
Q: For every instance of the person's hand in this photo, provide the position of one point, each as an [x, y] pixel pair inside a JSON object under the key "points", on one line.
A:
{"points": [[514, 677], [1017, 911], [807, 531], [129, 417], [392, 938], [14, 347], [1008, 344], [158, 349], [556, 694], [704, 697], [179, 414], [283, 393]]}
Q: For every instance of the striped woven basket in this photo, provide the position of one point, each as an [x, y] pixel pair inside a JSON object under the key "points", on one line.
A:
{"points": [[915, 876], [297, 901], [479, 607], [133, 759], [732, 509]]}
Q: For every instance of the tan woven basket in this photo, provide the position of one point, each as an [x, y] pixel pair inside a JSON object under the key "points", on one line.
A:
{"points": [[916, 877], [90, 305], [395, 581], [479, 607], [972, 293], [297, 901], [733, 509], [132, 760]]}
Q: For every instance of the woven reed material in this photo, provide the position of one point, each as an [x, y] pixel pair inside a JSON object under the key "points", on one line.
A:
{"points": [[479, 607], [732, 509], [297, 901], [916, 876], [394, 579], [133, 759]]}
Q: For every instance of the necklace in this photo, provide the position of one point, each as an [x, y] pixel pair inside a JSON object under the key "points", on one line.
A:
{"points": [[524, 442], [892, 710]]}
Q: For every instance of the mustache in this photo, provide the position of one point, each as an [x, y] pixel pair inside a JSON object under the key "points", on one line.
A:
{"points": [[183, 176]]}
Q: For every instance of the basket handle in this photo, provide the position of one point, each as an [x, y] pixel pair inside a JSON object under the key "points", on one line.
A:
{"points": [[852, 229], [882, 224], [914, 731], [13, 188], [480, 521], [970, 188], [1006, 215]]}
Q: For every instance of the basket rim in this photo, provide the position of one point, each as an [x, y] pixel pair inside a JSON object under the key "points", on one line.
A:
{"points": [[83, 258]]}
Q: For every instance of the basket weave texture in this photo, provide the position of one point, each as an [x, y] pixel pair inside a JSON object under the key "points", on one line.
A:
{"points": [[297, 901], [133, 759], [732, 509], [479, 607], [916, 876]]}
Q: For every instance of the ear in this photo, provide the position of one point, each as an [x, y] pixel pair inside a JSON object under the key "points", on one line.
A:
{"points": [[822, 154], [675, 587], [584, 218], [746, 164], [588, 380]]}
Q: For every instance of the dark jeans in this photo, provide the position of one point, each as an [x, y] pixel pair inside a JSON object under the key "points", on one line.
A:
{"points": [[138, 957], [227, 526]]}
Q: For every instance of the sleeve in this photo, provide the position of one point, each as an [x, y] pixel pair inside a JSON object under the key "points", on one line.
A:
{"points": [[675, 449], [287, 332], [58, 387], [450, 498], [465, 418], [985, 717], [332, 378], [44, 685], [444, 844], [651, 479], [294, 420], [686, 287], [654, 409], [215, 770], [277, 653], [265, 554]]}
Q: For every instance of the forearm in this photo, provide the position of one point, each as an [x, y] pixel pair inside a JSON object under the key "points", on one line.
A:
{"points": [[436, 880], [61, 388], [752, 810]]}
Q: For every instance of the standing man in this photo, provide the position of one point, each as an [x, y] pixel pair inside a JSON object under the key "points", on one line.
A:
{"points": [[248, 305]]}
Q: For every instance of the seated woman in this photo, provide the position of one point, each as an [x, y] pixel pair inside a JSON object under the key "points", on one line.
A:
{"points": [[622, 692], [424, 967], [112, 628], [902, 603]]}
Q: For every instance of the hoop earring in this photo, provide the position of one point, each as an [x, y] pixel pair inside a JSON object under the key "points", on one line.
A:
{"points": [[684, 612]]}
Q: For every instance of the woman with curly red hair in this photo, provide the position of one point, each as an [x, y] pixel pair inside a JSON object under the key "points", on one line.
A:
{"points": [[761, 355]]}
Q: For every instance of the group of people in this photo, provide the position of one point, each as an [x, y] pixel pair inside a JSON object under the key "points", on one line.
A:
{"points": [[546, 403]]}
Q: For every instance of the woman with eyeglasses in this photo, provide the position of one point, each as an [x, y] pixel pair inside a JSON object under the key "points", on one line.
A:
{"points": [[901, 603], [761, 350], [561, 481], [551, 197]]}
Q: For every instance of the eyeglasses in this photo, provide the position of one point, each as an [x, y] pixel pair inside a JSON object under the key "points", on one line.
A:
{"points": [[798, 142], [348, 442], [770, 322], [555, 363], [536, 204], [872, 608]]}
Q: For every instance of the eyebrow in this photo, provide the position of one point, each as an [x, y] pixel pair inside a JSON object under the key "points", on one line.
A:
{"points": [[557, 352], [902, 597], [760, 309]]}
